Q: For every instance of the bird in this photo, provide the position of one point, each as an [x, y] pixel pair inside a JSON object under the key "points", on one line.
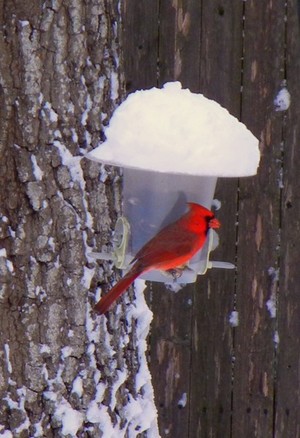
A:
{"points": [[169, 250]]}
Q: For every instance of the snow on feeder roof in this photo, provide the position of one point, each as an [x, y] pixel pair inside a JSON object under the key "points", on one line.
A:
{"points": [[172, 130]]}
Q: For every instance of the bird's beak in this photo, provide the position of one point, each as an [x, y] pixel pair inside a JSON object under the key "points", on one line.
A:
{"points": [[214, 223]]}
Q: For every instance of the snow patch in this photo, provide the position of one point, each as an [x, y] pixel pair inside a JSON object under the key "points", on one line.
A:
{"points": [[3, 252], [77, 387], [88, 274], [145, 416], [114, 94], [276, 339], [5, 433], [53, 117], [271, 306], [283, 100], [172, 130], [10, 266], [72, 162], [45, 349], [94, 409], [120, 379], [66, 351], [70, 419], [85, 113], [98, 414], [37, 171], [234, 318], [24, 23], [183, 400], [175, 287], [216, 204], [7, 358], [74, 136]]}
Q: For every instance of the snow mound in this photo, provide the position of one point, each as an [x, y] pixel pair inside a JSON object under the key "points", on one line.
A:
{"points": [[172, 130]]}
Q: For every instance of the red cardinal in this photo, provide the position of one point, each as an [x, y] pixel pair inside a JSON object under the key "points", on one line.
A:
{"points": [[169, 250]]}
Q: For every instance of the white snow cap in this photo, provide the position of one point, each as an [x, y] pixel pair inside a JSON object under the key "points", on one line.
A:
{"points": [[172, 130]]}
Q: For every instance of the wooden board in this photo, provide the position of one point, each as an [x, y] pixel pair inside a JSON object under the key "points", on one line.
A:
{"points": [[288, 357], [140, 42], [212, 347], [258, 219]]}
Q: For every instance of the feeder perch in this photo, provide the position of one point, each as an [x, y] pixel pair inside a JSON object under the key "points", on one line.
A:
{"points": [[172, 145]]}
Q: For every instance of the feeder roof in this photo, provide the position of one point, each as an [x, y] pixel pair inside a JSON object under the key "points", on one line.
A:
{"points": [[172, 130]]}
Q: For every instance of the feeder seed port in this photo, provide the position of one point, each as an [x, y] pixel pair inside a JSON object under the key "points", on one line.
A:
{"points": [[120, 243]]}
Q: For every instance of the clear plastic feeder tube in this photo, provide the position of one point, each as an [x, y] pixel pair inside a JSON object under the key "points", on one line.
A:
{"points": [[152, 200]]}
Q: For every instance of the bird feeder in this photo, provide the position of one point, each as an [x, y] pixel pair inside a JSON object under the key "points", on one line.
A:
{"points": [[172, 145]]}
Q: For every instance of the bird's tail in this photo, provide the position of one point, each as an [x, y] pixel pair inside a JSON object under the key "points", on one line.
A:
{"points": [[107, 300]]}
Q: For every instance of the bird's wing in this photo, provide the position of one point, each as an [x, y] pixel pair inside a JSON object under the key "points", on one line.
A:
{"points": [[162, 250]]}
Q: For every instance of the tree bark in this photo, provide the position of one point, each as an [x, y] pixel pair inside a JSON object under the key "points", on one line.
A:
{"points": [[60, 81]]}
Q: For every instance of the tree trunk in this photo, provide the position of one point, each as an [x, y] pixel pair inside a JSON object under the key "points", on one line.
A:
{"points": [[63, 370]]}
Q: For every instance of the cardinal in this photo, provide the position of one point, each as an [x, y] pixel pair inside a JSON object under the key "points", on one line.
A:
{"points": [[169, 250]]}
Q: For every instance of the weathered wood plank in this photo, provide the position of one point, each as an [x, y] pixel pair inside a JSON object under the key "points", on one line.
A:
{"points": [[288, 377], [167, 41], [259, 210], [170, 358], [220, 79], [171, 326], [179, 46], [140, 44], [221, 52]]}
